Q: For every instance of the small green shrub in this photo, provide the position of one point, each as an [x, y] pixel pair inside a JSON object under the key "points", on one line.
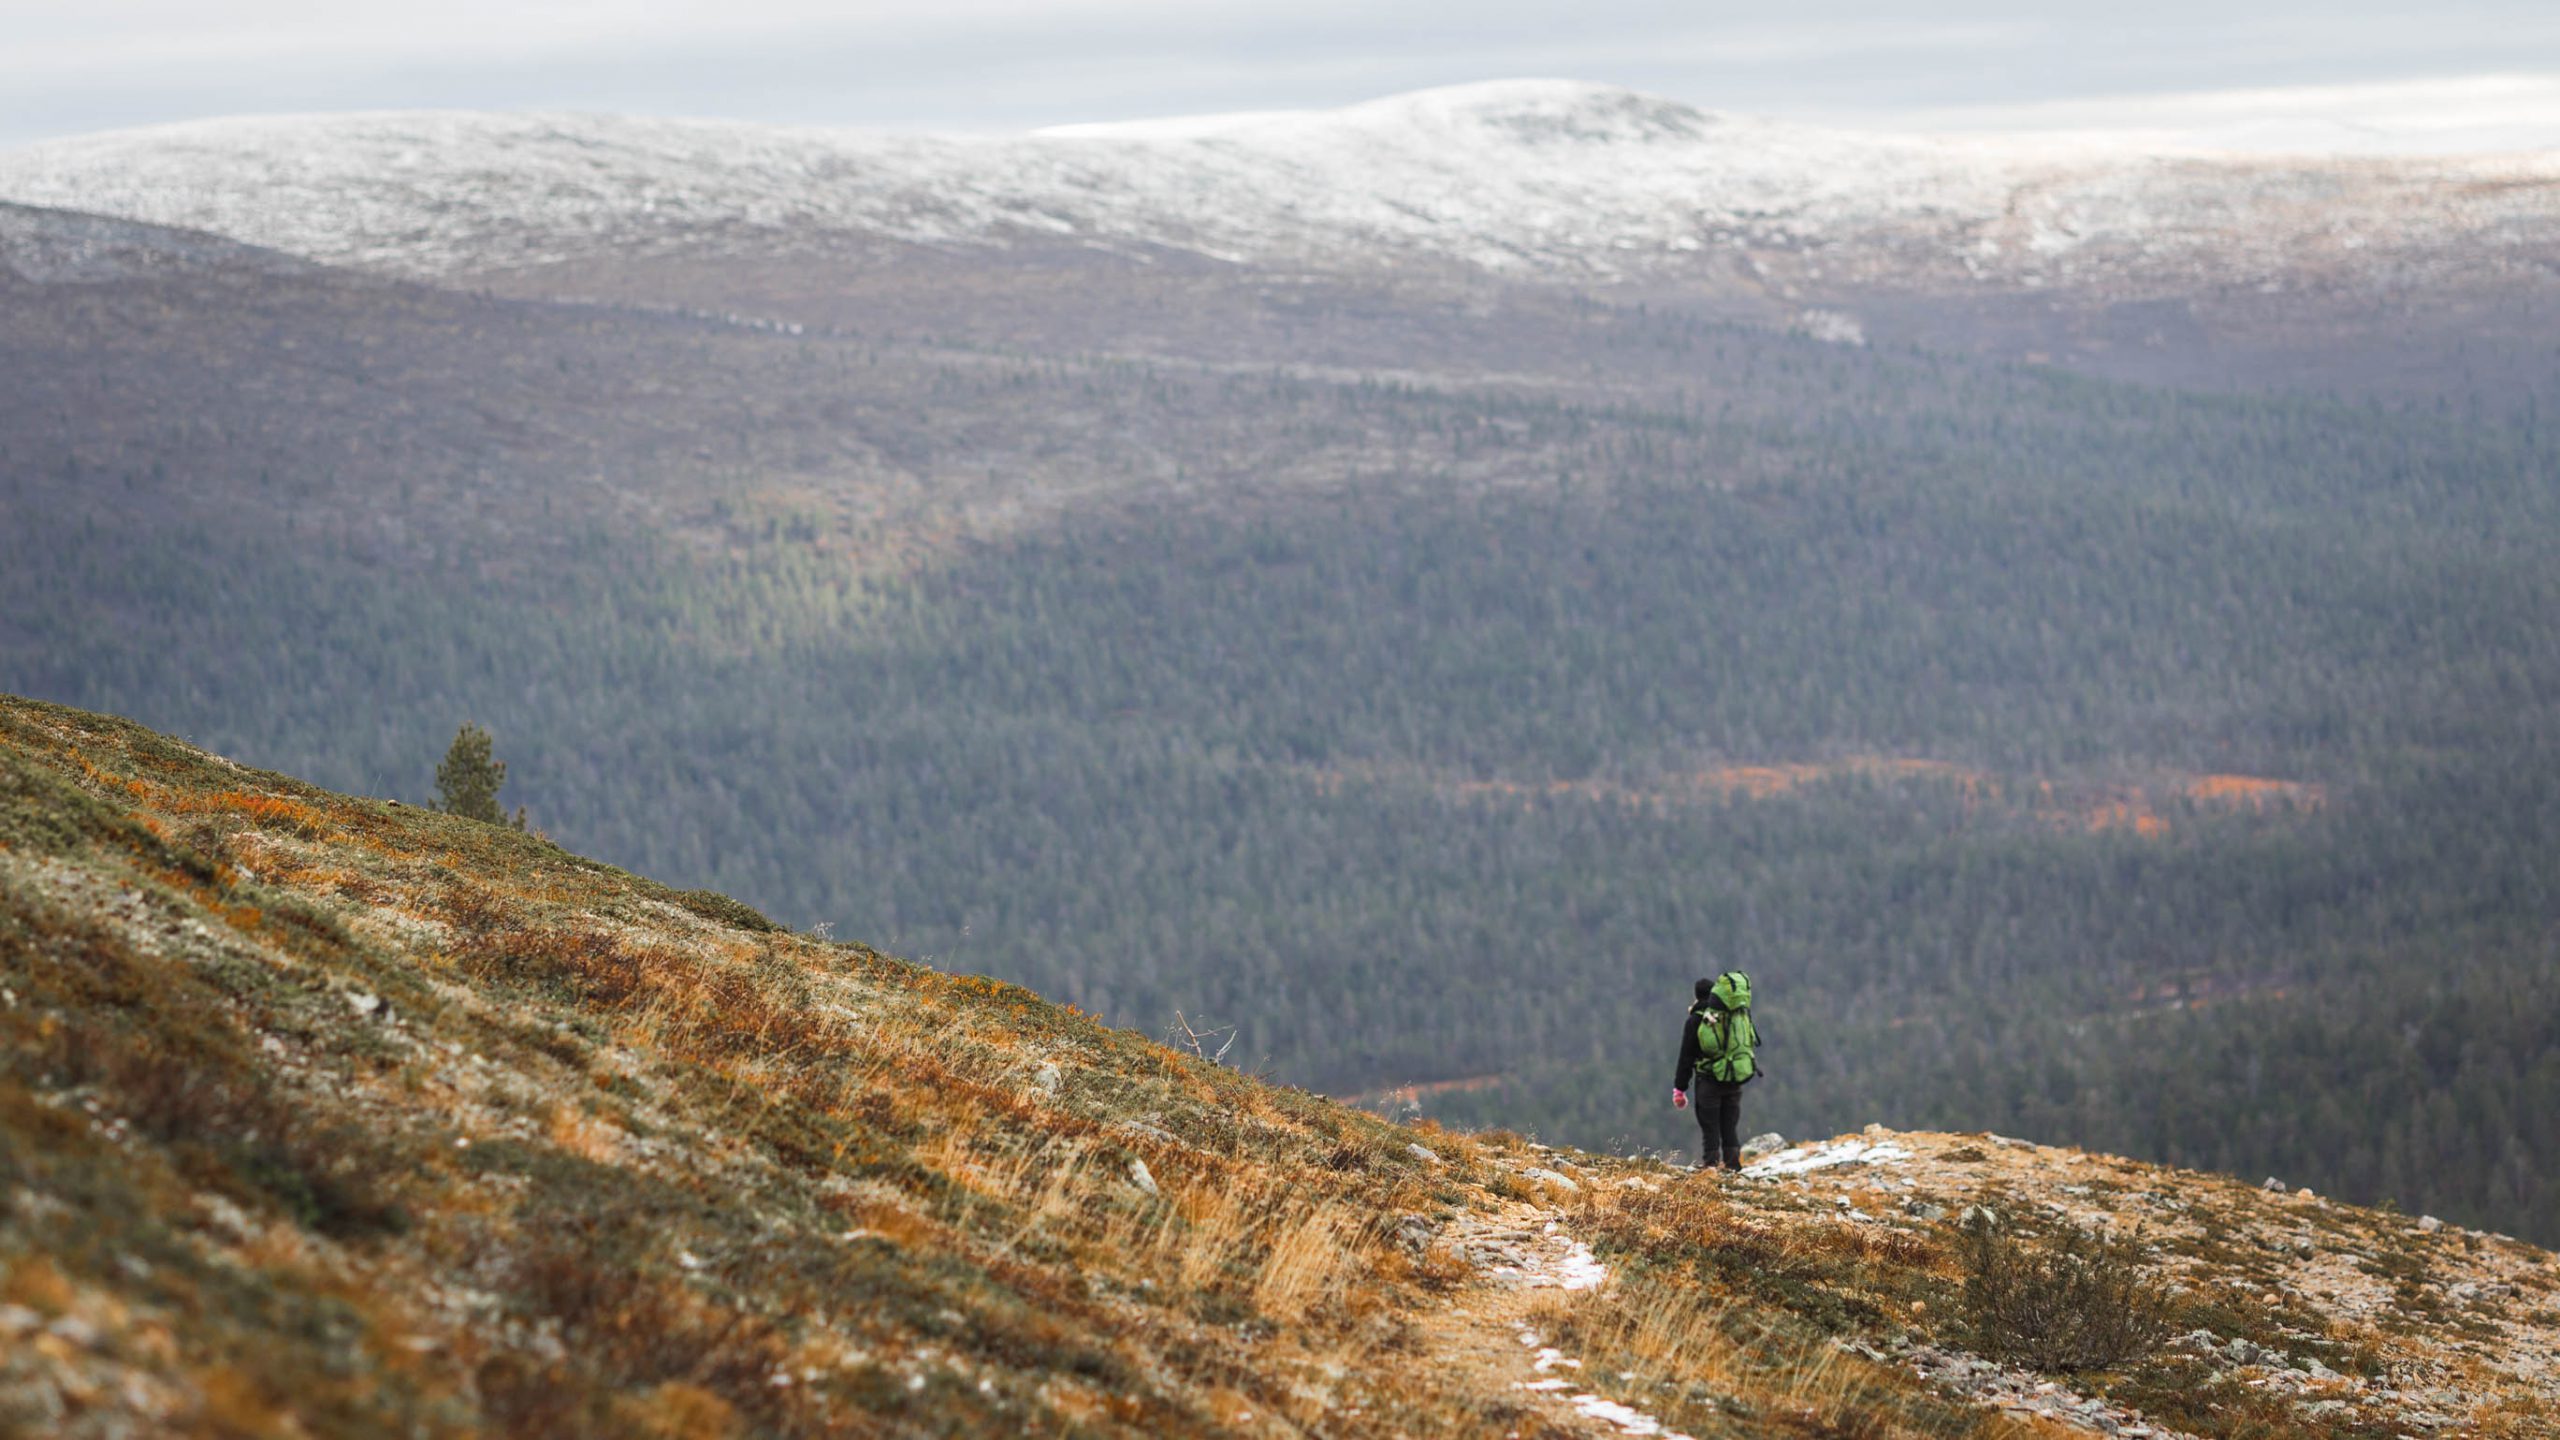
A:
{"points": [[719, 908], [2080, 1301]]}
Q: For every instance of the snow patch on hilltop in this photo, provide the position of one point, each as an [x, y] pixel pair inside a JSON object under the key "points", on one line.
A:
{"points": [[1533, 177]]}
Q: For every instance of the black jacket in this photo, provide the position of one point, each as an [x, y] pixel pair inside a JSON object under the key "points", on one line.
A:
{"points": [[1689, 1049]]}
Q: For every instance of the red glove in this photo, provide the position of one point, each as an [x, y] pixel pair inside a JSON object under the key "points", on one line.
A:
{"points": [[1679, 1099]]}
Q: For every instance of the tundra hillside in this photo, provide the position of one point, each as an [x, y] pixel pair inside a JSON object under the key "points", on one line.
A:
{"points": [[328, 1116]]}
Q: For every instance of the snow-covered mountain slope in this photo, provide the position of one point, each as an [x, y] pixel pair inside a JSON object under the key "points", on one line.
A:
{"points": [[1527, 178]]}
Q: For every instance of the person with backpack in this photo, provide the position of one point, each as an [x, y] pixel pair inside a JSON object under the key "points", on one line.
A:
{"points": [[1719, 1054]]}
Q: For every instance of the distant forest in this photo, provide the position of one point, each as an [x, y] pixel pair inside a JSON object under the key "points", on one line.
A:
{"points": [[1429, 773]]}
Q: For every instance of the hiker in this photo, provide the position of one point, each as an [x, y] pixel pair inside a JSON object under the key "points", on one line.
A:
{"points": [[1719, 1050]]}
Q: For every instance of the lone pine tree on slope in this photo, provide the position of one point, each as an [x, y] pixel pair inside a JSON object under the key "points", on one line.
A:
{"points": [[468, 780]]}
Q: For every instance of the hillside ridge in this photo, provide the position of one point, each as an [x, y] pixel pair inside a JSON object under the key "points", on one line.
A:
{"points": [[327, 1115], [1558, 179]]}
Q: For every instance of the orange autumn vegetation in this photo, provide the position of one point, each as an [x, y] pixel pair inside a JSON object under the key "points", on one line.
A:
{"points": [[2086, 806]]}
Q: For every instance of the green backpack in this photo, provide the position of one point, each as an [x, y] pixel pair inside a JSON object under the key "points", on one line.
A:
{"points": [[1726, 1036]]}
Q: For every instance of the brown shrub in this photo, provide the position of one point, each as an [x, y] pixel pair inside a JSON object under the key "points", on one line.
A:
{"points": [[525, 1397], [637, 1329], [196, 1092], [1442, 1268], [599, 969], [1900, 1249], [2079, 1302], [677, 1411]]}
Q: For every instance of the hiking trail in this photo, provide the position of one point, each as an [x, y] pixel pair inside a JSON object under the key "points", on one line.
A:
{"points": [[1498, 1328]]}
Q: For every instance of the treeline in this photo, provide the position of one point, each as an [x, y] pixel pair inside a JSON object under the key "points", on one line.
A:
{"points": [[1246, 756]]}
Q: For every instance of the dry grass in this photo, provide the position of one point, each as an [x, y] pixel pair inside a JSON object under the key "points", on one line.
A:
{"points": [[575, 1132], [1698, 1357], [1307, 1258], [1665, 1330]]}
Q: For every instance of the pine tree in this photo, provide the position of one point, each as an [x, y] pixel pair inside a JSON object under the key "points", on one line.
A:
{"points": [[468, 780]]}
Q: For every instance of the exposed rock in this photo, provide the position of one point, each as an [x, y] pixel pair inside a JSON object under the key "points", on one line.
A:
{"points": [[1145, 1131], [1414, 1233], [2021, 1393]]}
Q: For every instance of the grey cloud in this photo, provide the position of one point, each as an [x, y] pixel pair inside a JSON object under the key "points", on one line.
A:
{"points": [[1002, 66]]}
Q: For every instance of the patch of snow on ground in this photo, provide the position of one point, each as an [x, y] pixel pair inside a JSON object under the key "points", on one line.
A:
{"points": [[1581, 1270], [1626, 1418], [1824, 1157], [1630, 1421], [1832, 327], [1557, 1260]]}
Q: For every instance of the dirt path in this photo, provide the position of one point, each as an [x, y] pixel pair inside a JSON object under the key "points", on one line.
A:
{"points": [[1495, 1334]]}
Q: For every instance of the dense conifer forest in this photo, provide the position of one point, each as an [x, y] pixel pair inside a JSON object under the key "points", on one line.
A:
{"points": [[2173, 774]]}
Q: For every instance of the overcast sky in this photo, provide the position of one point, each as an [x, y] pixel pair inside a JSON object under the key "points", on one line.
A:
{"points": [[2348, 74]]}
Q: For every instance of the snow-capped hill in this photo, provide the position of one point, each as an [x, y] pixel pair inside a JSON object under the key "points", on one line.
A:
{"points": [[1534, 112], [1518, 177], [431, 193], [1536, 175], [1532, 175]]}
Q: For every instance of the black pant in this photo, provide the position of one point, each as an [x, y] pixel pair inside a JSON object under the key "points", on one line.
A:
{"points": [[1719, 1110]]}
